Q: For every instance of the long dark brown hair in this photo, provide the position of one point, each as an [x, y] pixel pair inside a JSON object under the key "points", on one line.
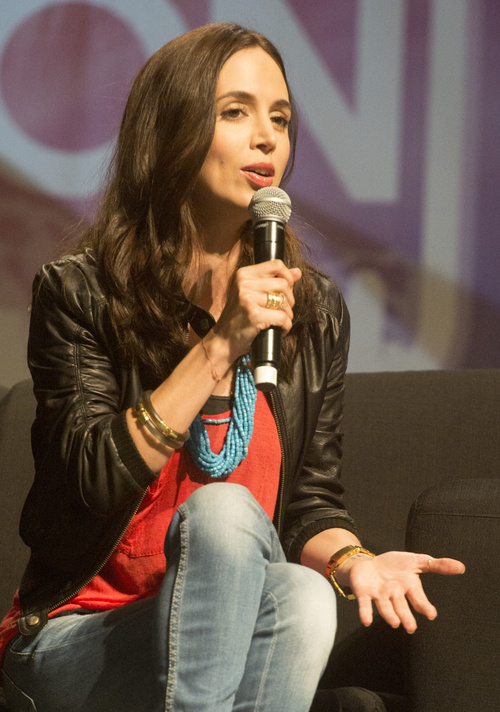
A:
{"points": [[144, 233]]}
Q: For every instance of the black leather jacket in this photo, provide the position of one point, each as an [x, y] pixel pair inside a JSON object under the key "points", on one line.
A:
{"points": [[90, 478]]}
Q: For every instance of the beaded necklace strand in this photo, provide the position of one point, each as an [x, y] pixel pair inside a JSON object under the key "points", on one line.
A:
{"points": [[239, 433]]}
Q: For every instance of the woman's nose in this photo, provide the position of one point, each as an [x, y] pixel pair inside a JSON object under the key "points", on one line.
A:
{"points": [[265, 135]]}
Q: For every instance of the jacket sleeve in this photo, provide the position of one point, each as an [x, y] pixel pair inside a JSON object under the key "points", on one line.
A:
{"points": [[317, 500], [81, 444]]}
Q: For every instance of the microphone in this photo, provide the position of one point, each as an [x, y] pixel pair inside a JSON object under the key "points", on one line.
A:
{"points": [[270, 209]]}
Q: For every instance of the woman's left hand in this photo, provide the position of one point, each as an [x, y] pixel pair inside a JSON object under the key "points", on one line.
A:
{"points": [[392, 582]]}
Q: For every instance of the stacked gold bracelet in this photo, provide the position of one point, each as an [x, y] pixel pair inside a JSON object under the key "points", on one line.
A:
{"points": [[151, 420], [338, 558]]}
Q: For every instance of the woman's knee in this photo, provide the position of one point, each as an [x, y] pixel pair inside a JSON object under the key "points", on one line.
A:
{"points": [[221, 505], [220, 496], [224, 518], [307, 599]]}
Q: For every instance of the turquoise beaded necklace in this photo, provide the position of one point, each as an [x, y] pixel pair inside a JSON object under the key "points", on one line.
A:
{"points": [[239, 432]]}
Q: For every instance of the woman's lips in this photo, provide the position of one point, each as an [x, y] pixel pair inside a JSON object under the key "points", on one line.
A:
{"points": [[260, 174]]}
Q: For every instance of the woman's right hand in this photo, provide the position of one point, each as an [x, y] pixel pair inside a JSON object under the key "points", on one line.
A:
{"points": [[181, 396], [246, 312]]}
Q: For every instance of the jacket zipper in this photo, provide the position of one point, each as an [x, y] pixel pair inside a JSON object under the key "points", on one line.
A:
{"points": [[274, 409], [101, 566], [96, 571]]}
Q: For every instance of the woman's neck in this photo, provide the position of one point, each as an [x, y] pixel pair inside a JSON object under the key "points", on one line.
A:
{"points": [[208, 277], [216, 253]]}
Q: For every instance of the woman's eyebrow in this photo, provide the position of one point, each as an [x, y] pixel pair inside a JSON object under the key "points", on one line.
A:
{"points": [[249, 98]]}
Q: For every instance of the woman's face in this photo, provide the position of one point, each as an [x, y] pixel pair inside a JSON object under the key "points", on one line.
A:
{"points": [[250, 147]]}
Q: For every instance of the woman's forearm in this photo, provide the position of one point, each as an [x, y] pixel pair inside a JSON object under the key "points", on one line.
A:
{"points": [[320, 548], [181, 396]]}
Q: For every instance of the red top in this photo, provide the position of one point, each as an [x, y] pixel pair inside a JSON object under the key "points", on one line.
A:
{"points": [[137, 566]]}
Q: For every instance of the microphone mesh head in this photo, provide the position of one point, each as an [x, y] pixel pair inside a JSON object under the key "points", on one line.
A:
{"points": [[270, 204]]}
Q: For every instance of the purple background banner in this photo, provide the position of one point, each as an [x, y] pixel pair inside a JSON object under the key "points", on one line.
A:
{"points": [[396, 185]]}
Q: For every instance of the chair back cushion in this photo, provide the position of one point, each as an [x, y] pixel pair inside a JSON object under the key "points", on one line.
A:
{"points": [[17, 411]]}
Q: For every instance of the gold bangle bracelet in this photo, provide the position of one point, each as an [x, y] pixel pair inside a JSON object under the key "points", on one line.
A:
{"points": [[144, 418], [159, 423], [337, 559]]}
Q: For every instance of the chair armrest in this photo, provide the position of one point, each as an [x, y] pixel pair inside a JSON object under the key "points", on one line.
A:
{"points": [[453, 662]]}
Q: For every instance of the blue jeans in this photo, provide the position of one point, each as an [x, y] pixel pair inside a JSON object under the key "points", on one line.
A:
{"points": [[234, 627]]}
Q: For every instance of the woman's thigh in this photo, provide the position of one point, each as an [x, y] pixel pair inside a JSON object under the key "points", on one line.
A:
{"points": [[86, 662]]}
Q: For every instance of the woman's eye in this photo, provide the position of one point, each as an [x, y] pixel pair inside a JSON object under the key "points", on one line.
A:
{"points": [[233, 113], [281, 121]]}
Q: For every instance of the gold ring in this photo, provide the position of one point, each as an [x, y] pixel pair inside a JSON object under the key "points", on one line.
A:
{"points": [[275, 300]]}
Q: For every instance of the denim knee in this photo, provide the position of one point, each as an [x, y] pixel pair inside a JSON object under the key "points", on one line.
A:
{"points": [[222, 499], [225, 520], [310, 603]]}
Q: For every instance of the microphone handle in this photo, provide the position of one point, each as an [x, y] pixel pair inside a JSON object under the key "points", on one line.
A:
{"points": [[269, 244]]}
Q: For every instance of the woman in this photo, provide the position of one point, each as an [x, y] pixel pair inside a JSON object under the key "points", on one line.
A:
{"points": [[148, 325]]}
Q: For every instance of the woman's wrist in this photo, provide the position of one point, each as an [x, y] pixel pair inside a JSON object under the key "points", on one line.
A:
{"points": [[343, 572], [217, 354], [340, 566]]}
